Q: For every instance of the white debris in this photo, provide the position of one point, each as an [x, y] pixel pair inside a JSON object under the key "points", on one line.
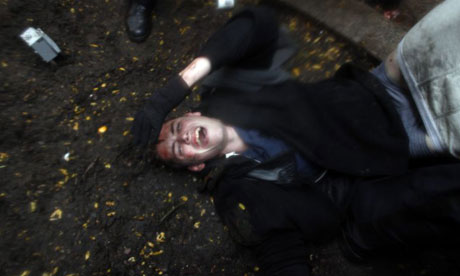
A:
{"points": [[222, 4], [66, 157], [41, 43]]}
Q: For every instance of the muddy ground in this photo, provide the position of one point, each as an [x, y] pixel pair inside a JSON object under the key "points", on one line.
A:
{"points": [[75, 197]]}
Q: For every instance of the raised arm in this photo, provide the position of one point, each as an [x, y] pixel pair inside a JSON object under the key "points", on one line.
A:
{"points": [[239, 39]]}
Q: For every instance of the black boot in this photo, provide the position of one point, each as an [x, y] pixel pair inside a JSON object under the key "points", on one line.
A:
{"points": [[138, 20]]}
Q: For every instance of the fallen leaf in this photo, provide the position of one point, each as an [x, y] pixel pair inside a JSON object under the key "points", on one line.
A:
{"points": [[33, 206], [161, 237], [102, 129], [56, 215]]}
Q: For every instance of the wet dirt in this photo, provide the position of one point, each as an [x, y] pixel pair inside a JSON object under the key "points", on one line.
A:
{"points": [[75, 197]]}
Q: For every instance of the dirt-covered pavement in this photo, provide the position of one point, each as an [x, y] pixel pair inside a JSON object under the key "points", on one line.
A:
{"points": [[75, 197]]}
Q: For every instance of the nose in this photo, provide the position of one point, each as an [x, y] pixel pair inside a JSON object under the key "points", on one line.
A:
{"points": [[185, 137]]}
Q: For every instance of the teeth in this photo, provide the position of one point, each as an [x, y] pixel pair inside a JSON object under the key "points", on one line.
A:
{"points": [[197, 135]]}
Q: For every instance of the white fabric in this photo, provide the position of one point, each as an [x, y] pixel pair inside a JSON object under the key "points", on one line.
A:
{"points": [[429, 58]]}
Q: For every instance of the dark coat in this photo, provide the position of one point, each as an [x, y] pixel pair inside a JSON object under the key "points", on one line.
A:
{"points": [[347, 123]]}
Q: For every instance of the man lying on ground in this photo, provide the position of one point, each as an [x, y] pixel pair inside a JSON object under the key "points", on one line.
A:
{"points": [[290, 164]]}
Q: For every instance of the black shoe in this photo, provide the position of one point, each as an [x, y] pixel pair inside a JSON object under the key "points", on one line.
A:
{"points": [[139, 21]]}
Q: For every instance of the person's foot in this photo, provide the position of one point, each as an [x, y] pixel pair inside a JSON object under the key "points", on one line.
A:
{"points": [[139, 21]]}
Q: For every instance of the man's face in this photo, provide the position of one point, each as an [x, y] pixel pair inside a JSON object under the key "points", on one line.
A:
{"points": [[191, 139]]}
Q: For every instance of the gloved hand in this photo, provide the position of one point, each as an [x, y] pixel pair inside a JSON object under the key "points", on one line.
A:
{"points": [[148, 121]]}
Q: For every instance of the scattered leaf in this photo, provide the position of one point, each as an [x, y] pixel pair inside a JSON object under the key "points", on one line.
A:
{"points": [[56, 215], [87, 255], [156, 253], [110, 203], [102, 129], [241, 205], [296, 72], [4, 156], [33, 206], [161, 237]]}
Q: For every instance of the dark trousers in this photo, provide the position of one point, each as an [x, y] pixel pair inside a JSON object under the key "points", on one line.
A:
{"points": [[420, 209]]}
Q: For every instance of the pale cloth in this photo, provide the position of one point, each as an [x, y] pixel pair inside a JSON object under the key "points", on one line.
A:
{"points": [[429, 58]]}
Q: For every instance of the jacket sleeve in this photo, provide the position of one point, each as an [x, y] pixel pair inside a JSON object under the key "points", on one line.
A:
{"points": [[244, 35]]}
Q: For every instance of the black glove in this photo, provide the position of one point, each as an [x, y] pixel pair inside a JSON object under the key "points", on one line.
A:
{"points": [[148, 121]]}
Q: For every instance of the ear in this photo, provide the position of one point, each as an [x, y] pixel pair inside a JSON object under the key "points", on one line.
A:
{"points": [[192, 114], [196, 168]]}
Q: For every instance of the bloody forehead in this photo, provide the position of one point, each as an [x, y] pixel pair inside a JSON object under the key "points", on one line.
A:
{"points": [[164, 142]]}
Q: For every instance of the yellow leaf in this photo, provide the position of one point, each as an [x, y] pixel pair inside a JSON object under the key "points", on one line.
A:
{"points": [[25, 273], [156, 253], [292, 24], [102, 129], [161, 237], [126, 132], [111, 214], [110, 203], [122, 69], [33, 206], [129, 119], [56, 215], [241, 205], [4, 64], [96, 205], [72, 10], [3, 156], [87, 255], [103, 85], [184, 198], [107, 165], [75, 126], [150, 244], [296, 71], [94, 45], [317, 67], [64, 172], [196, 225]]}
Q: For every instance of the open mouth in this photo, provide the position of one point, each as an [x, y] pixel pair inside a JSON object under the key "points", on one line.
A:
{"points": [[200, 136]]}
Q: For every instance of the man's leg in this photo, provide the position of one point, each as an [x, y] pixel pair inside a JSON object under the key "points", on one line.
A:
{"points": [[420, 209], [277, 223]]}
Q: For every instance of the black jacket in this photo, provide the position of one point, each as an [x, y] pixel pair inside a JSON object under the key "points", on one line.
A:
{"points": [[347, 123]]}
